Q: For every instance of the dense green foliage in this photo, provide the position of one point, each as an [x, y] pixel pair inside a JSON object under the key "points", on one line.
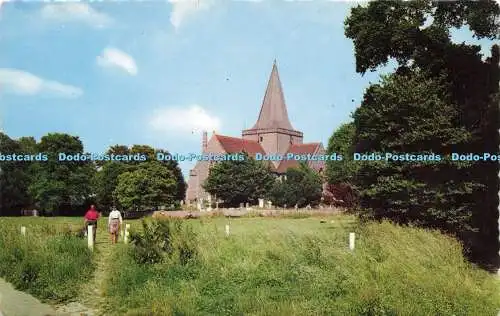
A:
{"points": [[237, 182], [148, 185], [14, 178], [342, 142], [57, 186], [442, 98], [303, 267], [163, 241], [48, 262], [68, 187], [299, 186]]}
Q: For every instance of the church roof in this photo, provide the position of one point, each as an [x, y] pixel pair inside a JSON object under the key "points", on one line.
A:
{"points": [[273, 112], [298, 149], [236, 145]]}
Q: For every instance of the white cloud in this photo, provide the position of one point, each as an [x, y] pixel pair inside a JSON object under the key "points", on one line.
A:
{"points": [[24, 83], [183, 120], [185, 9], [112, 57], [75, 11]]}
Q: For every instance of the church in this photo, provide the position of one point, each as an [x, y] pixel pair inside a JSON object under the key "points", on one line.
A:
{"points": [[272, 134]]}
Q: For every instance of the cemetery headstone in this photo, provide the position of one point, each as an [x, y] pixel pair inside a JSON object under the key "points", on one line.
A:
{"points": [[261, 203]]}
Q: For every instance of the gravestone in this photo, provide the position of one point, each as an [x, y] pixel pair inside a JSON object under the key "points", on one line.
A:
{"points": [[261, 203]]}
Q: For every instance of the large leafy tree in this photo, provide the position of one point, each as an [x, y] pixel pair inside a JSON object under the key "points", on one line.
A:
{"points": [[413, 114], [150, 185], [416, 34], [299, 186], [61, 186], [238, 182], [14, 178], [341, 142], [340, 175], [106, 179]]}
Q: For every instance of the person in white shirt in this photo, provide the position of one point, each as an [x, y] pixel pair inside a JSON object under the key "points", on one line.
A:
{"points": [[114, 222]]}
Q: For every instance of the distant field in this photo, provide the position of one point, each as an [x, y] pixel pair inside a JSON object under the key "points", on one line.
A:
{"points": [[293, 266]]}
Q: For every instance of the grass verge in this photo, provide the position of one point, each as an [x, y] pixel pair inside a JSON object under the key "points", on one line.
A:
{"points": [[49, 262]]}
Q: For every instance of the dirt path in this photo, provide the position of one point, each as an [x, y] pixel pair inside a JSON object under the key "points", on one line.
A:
{"points": [[92, 297]]}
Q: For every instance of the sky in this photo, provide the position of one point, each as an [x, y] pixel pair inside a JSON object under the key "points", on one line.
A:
{"points": [[161, 72]]}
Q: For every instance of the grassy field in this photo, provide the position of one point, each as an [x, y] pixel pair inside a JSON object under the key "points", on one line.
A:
{"points": [[304, 267], [282, 266]]}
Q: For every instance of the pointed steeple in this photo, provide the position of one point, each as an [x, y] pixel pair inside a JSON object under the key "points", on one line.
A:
{"points": [[273, 113]]}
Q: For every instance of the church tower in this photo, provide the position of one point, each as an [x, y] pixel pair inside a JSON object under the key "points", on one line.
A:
{"points": [[273, 129]]}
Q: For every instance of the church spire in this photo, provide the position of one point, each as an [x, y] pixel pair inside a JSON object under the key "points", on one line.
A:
{"points": [[273, 113]]}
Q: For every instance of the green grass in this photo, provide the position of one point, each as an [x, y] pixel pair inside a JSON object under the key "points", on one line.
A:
{"points": [[49, 262], [284, 266]]}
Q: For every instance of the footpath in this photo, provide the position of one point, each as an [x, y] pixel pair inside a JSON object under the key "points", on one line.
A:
{"points": [[92, 296]]}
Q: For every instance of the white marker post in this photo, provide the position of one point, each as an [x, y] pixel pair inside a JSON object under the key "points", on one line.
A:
{"points": [[352, 238], [90, 237], [127, 227], [23, 230], [227, 230]]}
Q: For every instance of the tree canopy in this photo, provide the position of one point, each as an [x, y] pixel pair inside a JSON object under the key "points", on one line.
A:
{"points": [[443, 97], [238, 182], [299, 186]]}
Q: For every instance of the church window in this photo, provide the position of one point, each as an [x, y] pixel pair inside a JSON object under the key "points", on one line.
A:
{"points": [[260, 139]]}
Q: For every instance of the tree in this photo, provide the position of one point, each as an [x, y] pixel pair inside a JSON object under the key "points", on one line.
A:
{"points": [[105, 182], [61, 186], [340, 189], [14, 178], [106, 179], [413, 114], [149, 185], [174, 167], [238, 182], [300, 186], [341, 142], [395, 30]]}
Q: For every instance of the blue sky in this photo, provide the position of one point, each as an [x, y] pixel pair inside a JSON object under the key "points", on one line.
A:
{"points": [[159, 73]]}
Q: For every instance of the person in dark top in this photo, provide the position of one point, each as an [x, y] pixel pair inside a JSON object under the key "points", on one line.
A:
{"points": [[91, 218]]}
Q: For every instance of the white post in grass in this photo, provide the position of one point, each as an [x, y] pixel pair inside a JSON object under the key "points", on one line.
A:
{"points": [[23, 230], [227, 230], [90, 237], [352, 238], [125, 239]]}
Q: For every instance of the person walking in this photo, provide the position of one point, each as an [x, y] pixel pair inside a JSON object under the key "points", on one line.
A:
{"points": [[114, 223], [91, 218]]}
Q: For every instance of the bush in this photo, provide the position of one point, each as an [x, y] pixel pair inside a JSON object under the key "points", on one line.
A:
{"points": [[162, 240]]}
